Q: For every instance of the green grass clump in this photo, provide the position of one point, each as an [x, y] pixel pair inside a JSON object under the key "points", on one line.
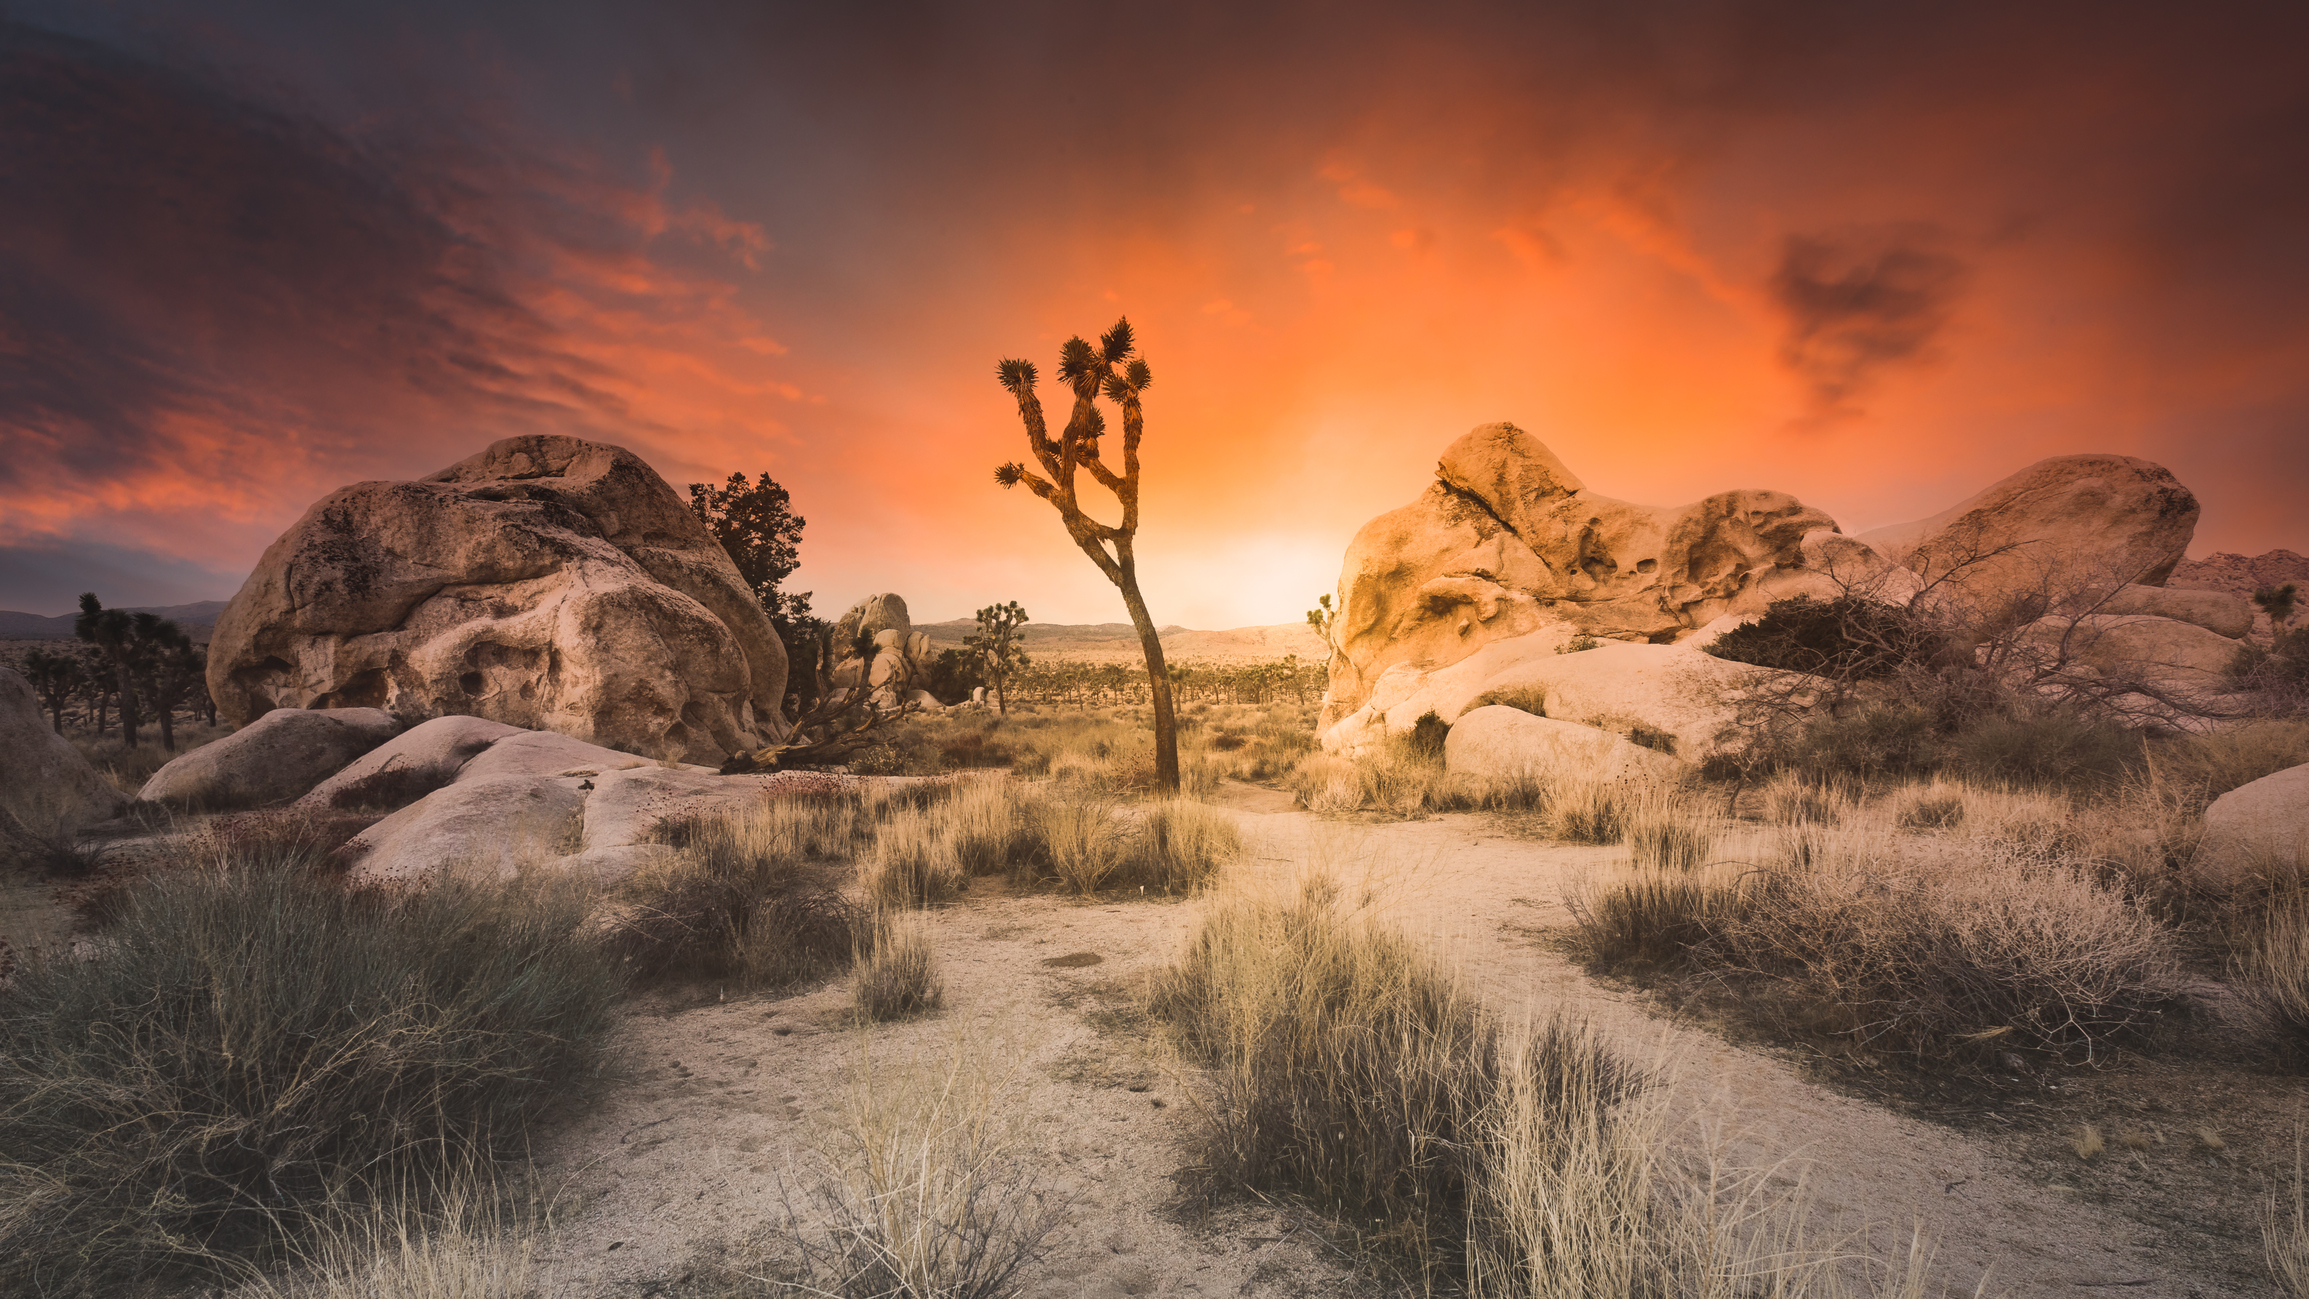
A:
{"points": [[246, 1040]]}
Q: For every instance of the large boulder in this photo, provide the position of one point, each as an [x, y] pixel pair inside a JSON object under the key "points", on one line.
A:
{"points": [[2258, 830], [1508, 541], [46, 788], [273, 759], [2215, 611], [2063, 531], [1505, 743], [546, 583], [409, 766], [2164, 652]]}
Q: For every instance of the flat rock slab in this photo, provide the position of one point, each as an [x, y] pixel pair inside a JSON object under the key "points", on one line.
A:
{"points": [[436, 751], [273, 759], [1505, 743]]}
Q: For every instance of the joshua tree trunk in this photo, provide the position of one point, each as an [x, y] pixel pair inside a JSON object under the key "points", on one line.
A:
{"points": [[1158, 680], [1094, 373]]}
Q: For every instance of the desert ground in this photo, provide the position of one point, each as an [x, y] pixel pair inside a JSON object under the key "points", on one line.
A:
{"points": [[723, 1105]]}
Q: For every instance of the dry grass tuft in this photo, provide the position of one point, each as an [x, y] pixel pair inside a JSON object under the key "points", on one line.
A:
{"points": [[929, 1194], [1082, 842], [1345, 1063], [745, 900], [2285, 1232], [1665, 832], [898, 975], [2087, 1142], [913, 861], [1179, 847]]}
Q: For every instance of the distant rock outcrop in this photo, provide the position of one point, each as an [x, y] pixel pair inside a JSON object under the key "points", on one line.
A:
{"points": [[547, 582], [1508, 541], [876, 643], [1506, 573]]}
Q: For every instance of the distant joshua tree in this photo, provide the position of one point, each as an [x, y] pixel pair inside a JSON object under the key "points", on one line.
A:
{"points": [[1092, 373], [113, 631], [56, 678], [997, 647]]}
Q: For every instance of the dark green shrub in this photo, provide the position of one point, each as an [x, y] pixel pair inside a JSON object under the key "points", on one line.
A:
{"points": [[2052, 747], [1867, 741], [249, 1040], [1847, 638], [1427, 737]]}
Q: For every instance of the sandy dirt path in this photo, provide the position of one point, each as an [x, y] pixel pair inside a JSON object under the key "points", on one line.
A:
{"points": [[719, 1104]]}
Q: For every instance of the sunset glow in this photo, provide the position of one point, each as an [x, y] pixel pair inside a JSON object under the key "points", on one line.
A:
{"points": [[254, 253]]}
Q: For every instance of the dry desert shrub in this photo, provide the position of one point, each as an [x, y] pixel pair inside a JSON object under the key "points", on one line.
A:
{"points": [[1327, 782], [1344, 1062], [897, 975], [249, 1037], [1178, 847], [457, 1239], [1081, 841], [1583, 807], [912, 862], [743, 901], [2285, 1232], [1646, 918], [1666, 832], [2275, 970], [928, 1194], [1931, 948], [1794, 799]]}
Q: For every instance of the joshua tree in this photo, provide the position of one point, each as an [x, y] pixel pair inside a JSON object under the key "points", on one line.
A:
{"points": [[167, 668], [113, 632], [57, 678], [1092, 373], [997, 646], [2279, 603]]}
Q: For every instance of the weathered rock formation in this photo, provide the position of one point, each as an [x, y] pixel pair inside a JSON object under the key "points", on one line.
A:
{"points": [[2257, 829], [2064, 527], [278, 757], [1508, 542], [898, 658], [46, 788], [546, 583], [1507, 561]]}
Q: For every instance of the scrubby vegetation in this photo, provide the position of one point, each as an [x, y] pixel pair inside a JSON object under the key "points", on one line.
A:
{"points": [[1529, 1160], [248, 1042]]}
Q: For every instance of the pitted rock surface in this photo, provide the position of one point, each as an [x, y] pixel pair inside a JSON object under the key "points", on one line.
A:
{"points": [[547, 582]]}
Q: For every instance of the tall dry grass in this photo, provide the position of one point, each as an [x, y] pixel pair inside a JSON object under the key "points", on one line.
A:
{"points": [[897, 973], [248, 1036], [2285, 1231], [751, 897], [1344, 1062], [459, 1238]]}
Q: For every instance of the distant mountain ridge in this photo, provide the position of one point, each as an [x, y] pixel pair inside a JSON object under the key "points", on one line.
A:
{"points": [[195, 619]]}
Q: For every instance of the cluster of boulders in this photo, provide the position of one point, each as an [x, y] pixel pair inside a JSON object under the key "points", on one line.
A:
{"points": [[876, 646], [1508, 576], [547, 583]]}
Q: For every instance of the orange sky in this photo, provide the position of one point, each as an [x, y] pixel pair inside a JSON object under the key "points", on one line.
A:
{"points": [[253, 254]]}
